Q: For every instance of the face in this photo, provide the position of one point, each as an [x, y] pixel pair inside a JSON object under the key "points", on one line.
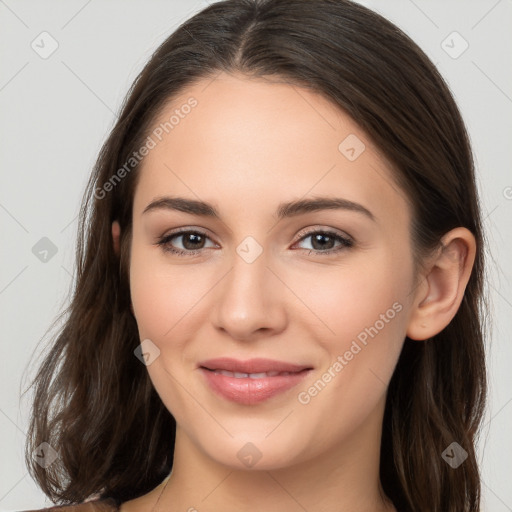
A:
{"points": [[325, 288]]}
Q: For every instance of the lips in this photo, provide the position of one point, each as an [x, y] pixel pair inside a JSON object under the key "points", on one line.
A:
{"points": [[252, 366], [258, 375], [253, 381]]}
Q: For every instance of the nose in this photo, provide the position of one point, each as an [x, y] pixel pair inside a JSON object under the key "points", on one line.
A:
{"points": [[250, 300]]}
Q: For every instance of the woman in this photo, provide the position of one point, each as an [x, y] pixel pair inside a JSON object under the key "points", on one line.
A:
{"points": [[279, 286]]}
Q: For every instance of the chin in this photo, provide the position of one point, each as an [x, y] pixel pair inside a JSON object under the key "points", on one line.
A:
{"points": [[256, 452]]}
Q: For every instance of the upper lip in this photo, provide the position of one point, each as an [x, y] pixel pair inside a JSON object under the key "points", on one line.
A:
{"points": [[258, 365]]}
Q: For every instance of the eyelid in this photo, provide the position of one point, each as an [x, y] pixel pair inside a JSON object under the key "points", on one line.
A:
{"points": [[345, 241], [187, 229], [323, 229], [164, 241]]}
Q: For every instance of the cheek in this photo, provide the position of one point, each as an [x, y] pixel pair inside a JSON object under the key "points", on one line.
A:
{"points": [[162, 295], [352, 298], [154, 301], [163, 300], [365, 309], [350, 386]]}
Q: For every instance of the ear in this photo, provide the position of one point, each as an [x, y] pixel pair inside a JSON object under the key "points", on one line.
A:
{"points": [[440, 294], [116, 233]]}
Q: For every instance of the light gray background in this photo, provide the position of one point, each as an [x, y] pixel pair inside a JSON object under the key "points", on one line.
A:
{"points": [[56, 112]]}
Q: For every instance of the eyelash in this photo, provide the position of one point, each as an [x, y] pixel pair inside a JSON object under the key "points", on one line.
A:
{"points": [[345, 242]]}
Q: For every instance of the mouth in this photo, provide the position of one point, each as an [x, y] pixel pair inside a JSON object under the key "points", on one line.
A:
{"points": [[253, 381], [242, 375], [252, 366]]}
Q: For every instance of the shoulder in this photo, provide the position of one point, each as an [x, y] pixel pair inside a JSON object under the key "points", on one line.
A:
{"points": [[90, 506]]}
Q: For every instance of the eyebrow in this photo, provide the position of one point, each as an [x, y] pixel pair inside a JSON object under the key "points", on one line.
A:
{"points": [[284, 210]]}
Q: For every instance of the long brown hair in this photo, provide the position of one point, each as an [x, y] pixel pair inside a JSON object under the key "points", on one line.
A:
{"points": [[93, 399]]}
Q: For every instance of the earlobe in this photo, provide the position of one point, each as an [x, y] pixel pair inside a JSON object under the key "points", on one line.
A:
{"points": [[116, 233], [439, 297]]}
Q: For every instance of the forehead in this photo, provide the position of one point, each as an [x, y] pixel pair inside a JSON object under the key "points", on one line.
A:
{"points": [[240, 142]]}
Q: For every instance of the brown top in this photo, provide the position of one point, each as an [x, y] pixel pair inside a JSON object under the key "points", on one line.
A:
{"points": [[107, 505]]}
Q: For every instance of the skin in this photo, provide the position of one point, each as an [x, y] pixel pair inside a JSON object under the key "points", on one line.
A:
{"points": [[247, 146]]}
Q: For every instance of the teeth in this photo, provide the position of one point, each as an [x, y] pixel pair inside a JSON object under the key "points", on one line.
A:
{"points": [[257, 375], [241, 375]]}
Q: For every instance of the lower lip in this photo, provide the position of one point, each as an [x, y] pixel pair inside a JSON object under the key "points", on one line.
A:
{"points": [[249, 391]]}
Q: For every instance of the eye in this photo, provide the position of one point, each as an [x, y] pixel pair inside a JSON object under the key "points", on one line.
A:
{"points": [[191, 242], [324, 242]]}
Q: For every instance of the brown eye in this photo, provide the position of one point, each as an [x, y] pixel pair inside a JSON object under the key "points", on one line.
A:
{"points": [[324, 242], [184, 243], [193, 241]]}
